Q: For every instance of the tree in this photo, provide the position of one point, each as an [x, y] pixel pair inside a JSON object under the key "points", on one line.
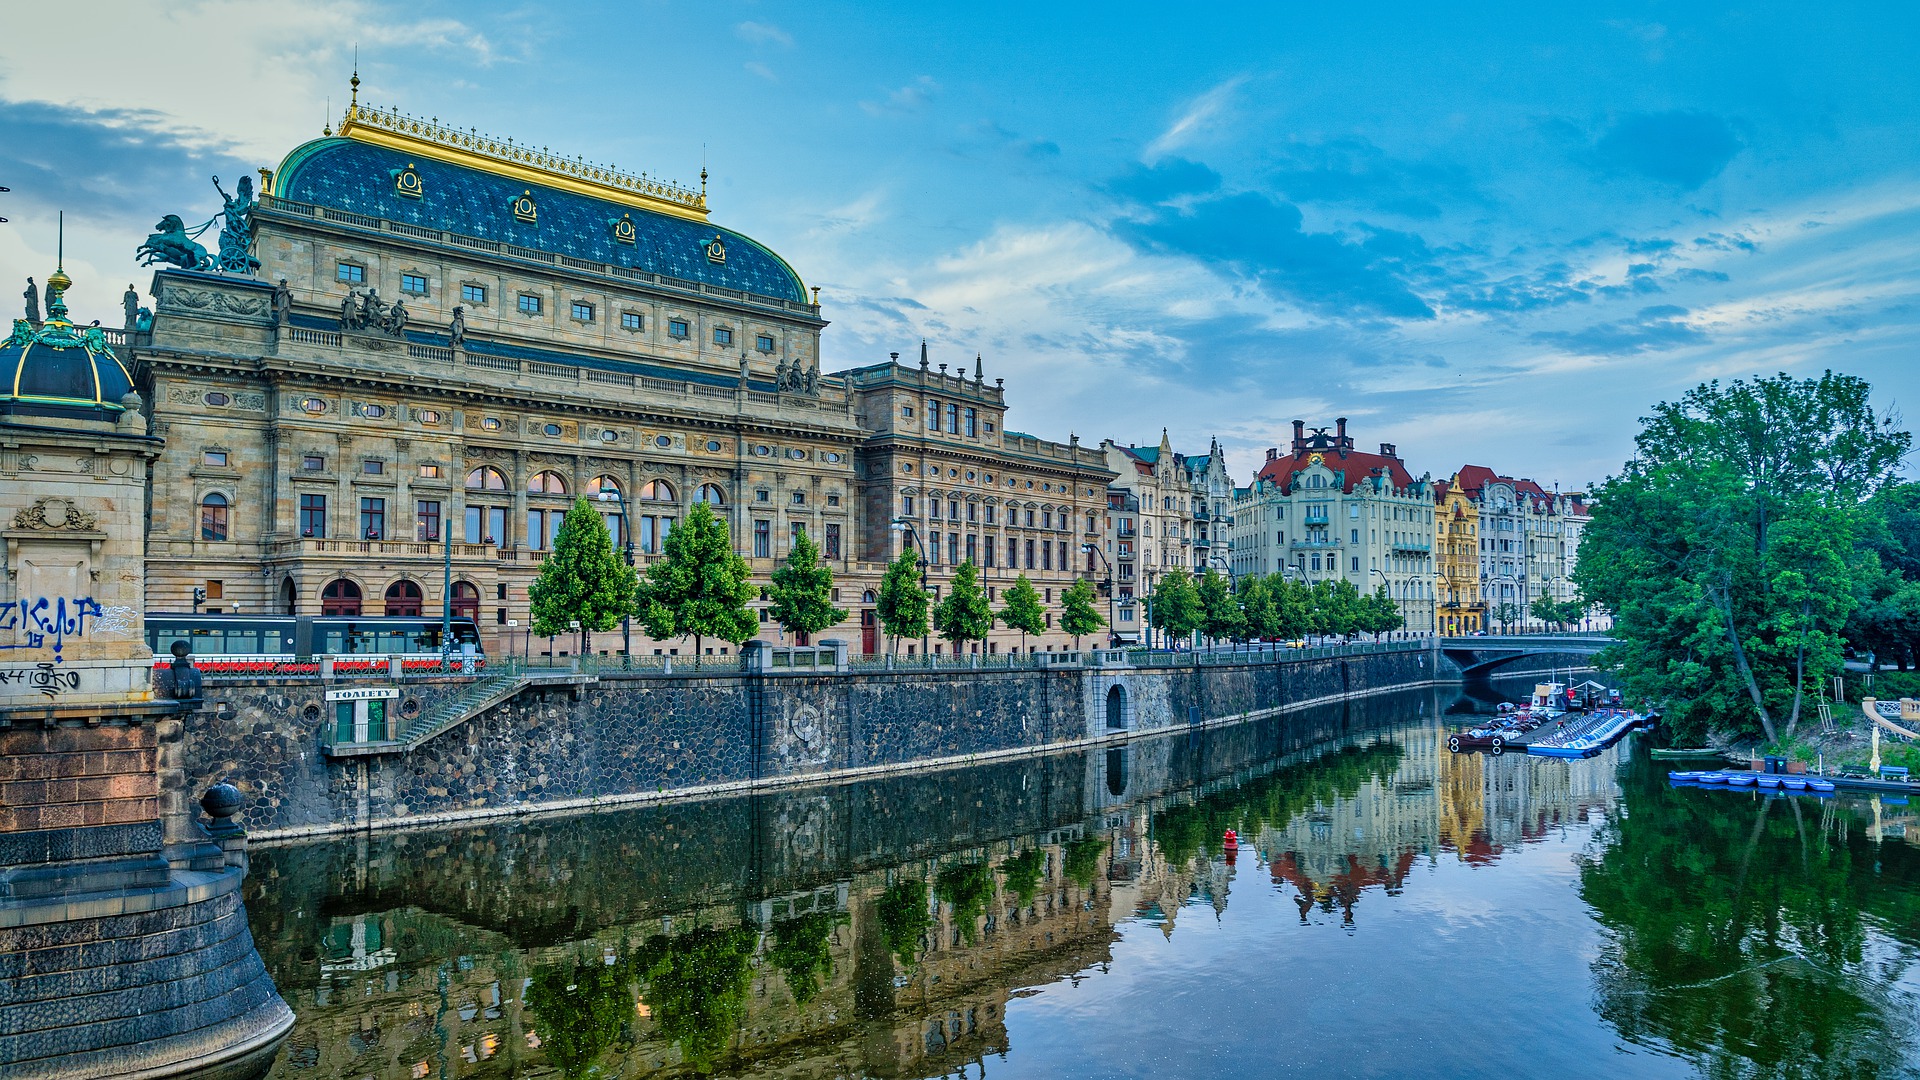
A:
{"points": [[1336, 607], [1176, 606], [964, 615], [1546, 609], [802, 593], [1378, 613], [1730, 548], [1220, 616], [1079, 610], [902, 606], [1293, 600], [583, 579], [1022, 610], [699, 587], [1258, 610]]}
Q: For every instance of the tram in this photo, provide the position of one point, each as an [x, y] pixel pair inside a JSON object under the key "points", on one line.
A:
{"points": [[258, 643]]}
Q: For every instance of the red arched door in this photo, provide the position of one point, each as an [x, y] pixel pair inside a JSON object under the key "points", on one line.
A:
{"points": [[340, 597], [466, 600], [403, 599]]}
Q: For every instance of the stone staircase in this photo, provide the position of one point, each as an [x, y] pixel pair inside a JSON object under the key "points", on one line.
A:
{"points": [[483, 694]]}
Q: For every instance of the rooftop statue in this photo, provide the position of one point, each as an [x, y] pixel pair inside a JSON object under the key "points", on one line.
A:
{"points": [[366, 313], [32, 296], [170, 244], [236, 228]]}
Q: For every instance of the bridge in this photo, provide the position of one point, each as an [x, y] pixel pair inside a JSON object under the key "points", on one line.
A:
{"points": [[1482, 657]]}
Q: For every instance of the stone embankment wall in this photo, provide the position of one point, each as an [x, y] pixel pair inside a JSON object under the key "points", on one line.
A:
{"points": [[628, 739]]}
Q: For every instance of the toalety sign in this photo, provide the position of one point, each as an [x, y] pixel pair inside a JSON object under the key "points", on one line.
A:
{"points": [[368, 694]]}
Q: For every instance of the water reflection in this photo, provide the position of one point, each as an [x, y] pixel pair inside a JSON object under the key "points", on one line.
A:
{"points": [[886, 929]]}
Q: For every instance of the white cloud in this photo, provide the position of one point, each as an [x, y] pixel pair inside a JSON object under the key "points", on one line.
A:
{"points": [[755, 67], [909, 98], [755, 33], [1199, 114]]}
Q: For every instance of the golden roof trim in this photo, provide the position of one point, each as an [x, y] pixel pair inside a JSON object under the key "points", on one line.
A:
{"points": [[503, 157]]}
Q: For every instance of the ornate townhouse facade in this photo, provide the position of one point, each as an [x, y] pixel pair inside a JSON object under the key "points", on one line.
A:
{"points": [[1458, 608], [1327, 511], [1529, 542], [1167, 511], [448, 338]]}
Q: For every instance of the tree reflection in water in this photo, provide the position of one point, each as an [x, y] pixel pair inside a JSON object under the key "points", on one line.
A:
{"points": [[1737, 932], [1188, 829], [968, 886], [905, 919], [802, 950]]}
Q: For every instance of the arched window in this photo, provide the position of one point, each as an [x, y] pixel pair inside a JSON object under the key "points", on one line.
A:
{"points": [[545, 483], [466, 600], [712, 495], [213, 517], [486, 478], [656, 491], [602, 484], [403, 598], [340, 597], [868, 597]]}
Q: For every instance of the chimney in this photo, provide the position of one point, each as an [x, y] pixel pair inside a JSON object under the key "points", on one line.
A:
{"points": [[1273, 452], [1299, 434], [1340, 433], [1386, 450]]}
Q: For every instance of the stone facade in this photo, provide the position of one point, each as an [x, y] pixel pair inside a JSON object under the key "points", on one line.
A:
{"points": [[1458, 607], [1166, 511], [1529, 543]]}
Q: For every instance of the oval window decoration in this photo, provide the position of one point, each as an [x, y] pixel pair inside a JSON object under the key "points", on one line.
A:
{"points": [[428, 416], [551, 430], [314, 405], [215, 397], [491, 423], [796, 454], [713, 446], [763, 451], [609, 435], [663, 441], [835, 458], [373, 412]]}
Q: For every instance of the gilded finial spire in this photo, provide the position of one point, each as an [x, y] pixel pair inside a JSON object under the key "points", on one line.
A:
{"points": [[58, 283]]}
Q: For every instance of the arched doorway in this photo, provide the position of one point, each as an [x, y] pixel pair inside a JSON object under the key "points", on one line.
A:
{"points": [[340, 597], [403, 599], [466, 600], [1117, 771], [1116, 708], [289, 598]]}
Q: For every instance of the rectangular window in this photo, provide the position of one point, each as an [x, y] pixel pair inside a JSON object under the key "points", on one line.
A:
{"points": [[973, 422], [1029, 519], [799, 498], [973, 511], [953, 548], [833, 500], [953, 510], [487, 525], [213, 518], [1029, 554], [989, 427], [373, 518], [1046, 554], [833, 540], [473, 294], [543, 528], [906, 412], [413, 284], [764, 342], [1046, 519], [426, 520], [795, 530], [989, 513], [313, 515], [373, 467], [429, 472], [630, 320], [933, 415], [906, 506], [933, 548], [953, 419], [351, 273], [1356, 564], [215, 458], [677, 328], [722, 336], [763, 539], [986, 552], [973, 548], [313, 463], [582, 312], [529, 304]]}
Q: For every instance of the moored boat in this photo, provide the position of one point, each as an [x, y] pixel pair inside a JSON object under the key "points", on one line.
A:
{"points": [[1670, 753], [1740, 779]]}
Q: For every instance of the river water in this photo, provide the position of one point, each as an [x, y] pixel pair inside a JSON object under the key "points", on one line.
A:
{"points": [[1390, 909]]}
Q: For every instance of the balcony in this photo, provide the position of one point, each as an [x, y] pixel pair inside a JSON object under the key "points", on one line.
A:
{"points": [[1420, 547], [398, 549], [1314, 543], [1316, 519]]}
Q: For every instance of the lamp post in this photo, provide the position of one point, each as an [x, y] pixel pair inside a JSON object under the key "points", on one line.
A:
{"points": [[626, 536], [905, 525], [446, 591], [1148, 573], [1389, 587]]}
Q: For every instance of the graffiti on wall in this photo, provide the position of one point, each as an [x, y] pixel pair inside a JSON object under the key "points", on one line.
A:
{"points": [[47, 622], [46, 678]]}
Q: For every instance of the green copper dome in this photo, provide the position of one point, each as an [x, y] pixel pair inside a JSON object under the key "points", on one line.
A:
{"points": [[60, 369]]}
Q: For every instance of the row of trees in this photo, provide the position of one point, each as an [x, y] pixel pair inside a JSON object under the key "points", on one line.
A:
{"points": [[1266, 608], [699, 588]]}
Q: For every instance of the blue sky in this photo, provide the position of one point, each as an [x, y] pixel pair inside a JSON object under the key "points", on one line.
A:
{"points": [[1488, 233]]}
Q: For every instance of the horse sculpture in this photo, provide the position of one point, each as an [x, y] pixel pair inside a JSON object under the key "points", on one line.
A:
{"points": [[171, 245]]}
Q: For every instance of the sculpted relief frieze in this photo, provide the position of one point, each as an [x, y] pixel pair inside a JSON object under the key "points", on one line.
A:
{"points": [[55, 514]]}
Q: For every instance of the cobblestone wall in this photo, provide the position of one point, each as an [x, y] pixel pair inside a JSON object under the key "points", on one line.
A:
{"points": [[628, 738]]}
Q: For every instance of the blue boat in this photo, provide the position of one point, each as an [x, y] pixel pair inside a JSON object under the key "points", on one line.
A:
{"points": [[1684, 776], [1795, 783], [1711, 778], [1823, 787], [1772, 783], [1740, 780]]}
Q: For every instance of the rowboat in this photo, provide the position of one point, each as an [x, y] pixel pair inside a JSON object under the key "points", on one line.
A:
{"points": [[1692, 752]]}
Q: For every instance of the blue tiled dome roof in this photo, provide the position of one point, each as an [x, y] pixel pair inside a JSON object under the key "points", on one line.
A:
{"points": [[60, 370], [361, 177]]}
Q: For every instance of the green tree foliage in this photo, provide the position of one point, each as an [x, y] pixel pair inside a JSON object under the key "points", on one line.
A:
{"points": [[1729, 547], [1080, 610], [582, 1009], [583, 578], [1336, 607], [1022, 874], [968, 887], [964, 615], [699, 589], [1294, 602], [1734, 932], [902, 606], [802, 593], [1259, 614], [904, 919], [1081, 863], [1020, 609], [802, 950], [1378, 613], [1184, 830], [1176, 606], [1220, 616], [697, 983]]}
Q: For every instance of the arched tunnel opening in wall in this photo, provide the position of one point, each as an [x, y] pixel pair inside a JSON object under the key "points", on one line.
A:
{"points": [[1116, 708]]}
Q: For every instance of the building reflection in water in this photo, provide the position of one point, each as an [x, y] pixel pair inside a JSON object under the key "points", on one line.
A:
{"points": [[876, 929]]}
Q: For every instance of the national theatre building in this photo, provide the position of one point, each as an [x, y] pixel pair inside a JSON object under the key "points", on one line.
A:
{"points": [[426, 343]]}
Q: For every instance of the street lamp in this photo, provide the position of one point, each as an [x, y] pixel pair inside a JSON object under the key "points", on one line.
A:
{"points": [[626, 535], [905, 525], [1106, 585]]}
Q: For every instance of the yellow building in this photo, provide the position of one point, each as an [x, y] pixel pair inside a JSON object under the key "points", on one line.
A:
{"points": [[1458, 608]]}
